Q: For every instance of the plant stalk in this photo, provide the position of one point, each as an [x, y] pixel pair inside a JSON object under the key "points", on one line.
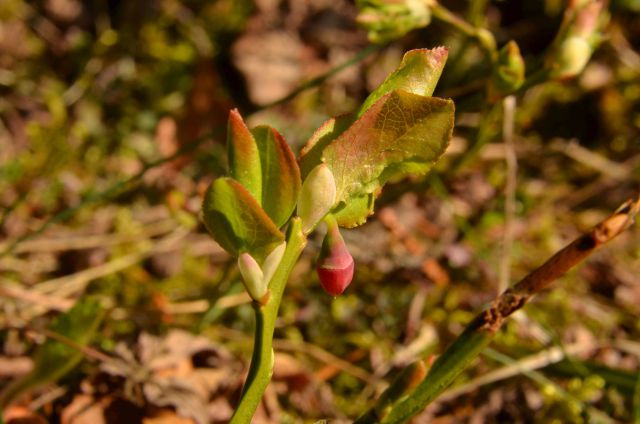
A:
{"points": [[483, 36], [261, 367], [482, 329]]}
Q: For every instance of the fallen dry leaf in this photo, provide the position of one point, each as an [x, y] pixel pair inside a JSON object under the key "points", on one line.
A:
{"points": [[83, 409]]}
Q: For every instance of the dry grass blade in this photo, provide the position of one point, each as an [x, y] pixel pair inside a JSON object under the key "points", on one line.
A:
{"points": [[69, 284], [530, 363]]}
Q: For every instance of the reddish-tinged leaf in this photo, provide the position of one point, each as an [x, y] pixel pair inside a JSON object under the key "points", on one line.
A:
{"points": [[280, 175], [356, 211], [243, 154], [418, 73], [398, 130], [402, 133], [237, 222], [311, 154]]}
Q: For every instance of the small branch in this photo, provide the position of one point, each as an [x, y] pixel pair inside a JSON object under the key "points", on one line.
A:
{"points": [[314, 82], [481, 330], [481, 35], [586, 157], [517, 296], [73, 283], [509, 106], [261, 367], [88, 351], [11, 290], [327, 358], [75, 242]]}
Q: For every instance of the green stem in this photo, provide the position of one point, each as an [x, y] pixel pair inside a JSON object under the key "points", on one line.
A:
{"points": [[483, 36], [314, 82], [261, 367], [488, 129], [481, 330], [452, 362], [539, 77]]}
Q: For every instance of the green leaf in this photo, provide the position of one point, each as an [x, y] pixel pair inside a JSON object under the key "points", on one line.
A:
{"points": [[237, 222], [311, 153], [54, 359], [263, 163], [403, 133], [418, 73], [356, 211], [280, 175], [243, 155]]}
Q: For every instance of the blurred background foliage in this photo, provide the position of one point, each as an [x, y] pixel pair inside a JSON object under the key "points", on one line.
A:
{"points": [[112, 124]]}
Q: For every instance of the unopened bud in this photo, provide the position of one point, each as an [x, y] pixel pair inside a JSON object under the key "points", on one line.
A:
{"points": [[508, 72], [252, 276], [572, 57], [317, 197], [387, 20], [272, 262], [579, 34], [335, 264]]}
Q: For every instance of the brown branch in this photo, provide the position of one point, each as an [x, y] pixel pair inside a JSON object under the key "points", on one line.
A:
{"points": [[479, 333], [517, 296]]}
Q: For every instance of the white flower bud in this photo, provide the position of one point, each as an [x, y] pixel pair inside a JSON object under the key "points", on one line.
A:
{"points": [[317, 197], [573, 55], [252, 276], [272, 262]]}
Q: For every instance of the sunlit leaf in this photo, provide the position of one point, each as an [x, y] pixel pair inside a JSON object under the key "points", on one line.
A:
{"points": [[406, 133], [243, 155], [401, 134], [280, 175], [263, 163], [418, 73], [311, 154], [236, 220], [356, 211]]}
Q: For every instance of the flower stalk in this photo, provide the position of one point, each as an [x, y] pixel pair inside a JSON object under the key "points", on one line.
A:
{"points": [[261, 367]]}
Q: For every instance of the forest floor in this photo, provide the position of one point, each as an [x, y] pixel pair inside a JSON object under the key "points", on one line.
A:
{"points": [[112, 125]]}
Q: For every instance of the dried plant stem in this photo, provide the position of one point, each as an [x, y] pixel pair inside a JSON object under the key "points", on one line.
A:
{"points": [[327, 358], [481, 330], [314, 82], [70, 284], [511, 160], [75, 242], [87, 351], [530, 363]]}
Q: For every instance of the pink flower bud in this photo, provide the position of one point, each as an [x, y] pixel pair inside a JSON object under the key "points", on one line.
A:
{"points": [[335, 264]]}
